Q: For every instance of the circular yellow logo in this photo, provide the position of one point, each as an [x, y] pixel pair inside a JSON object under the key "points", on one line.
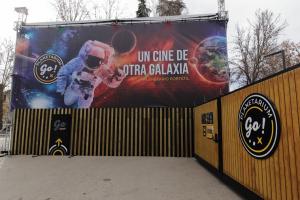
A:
{"points": [[259, 126], [46, 67]]}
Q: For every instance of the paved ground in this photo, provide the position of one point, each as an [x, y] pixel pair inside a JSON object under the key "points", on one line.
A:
{"points": [[108, 178]]}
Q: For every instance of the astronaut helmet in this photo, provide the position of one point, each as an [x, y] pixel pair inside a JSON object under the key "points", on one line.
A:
{"points": [[92, 55]]}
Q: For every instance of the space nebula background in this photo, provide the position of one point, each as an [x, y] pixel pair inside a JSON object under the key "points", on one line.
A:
{"points": [[204, 77]]}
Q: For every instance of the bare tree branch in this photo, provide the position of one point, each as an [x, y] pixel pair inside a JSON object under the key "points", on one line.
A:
{"points": [[152, 4], [112, 9], [107, 9], [71, 10], [6, 62], [292, 53], [252, 44]]}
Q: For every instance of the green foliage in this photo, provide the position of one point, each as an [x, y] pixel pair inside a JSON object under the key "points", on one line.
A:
{"points": [[170, 7], [142, 11]]}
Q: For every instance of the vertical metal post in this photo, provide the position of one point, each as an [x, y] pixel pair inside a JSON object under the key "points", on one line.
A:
{"points": [[220, 140], [10, 137], [221, 10], [283, 59], [22, 18]]}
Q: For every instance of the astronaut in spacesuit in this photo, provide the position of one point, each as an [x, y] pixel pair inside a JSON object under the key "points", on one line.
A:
{"points": [[78, 79]]}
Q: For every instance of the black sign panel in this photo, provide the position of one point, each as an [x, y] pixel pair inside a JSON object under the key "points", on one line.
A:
{"points": [[259, 126], [60, 134], [207, 118]]}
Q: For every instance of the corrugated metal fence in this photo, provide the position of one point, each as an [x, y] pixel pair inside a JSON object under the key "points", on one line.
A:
{"points": [[109, 131], [5, 137]]}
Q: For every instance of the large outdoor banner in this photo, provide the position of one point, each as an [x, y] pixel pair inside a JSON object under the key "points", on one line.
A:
{"points": [[178, 63]]}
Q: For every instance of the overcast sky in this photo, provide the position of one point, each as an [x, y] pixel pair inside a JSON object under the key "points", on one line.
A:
{"points": [[239, 12]]}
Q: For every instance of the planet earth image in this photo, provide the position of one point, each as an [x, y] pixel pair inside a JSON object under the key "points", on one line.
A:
{"points": [[210, 57]]}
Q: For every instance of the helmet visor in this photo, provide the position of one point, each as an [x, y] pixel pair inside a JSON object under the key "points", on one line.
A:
{"points": [[93, 62]]}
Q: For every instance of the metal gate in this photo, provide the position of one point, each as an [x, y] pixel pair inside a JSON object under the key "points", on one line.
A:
{"points": [[5, 136]]}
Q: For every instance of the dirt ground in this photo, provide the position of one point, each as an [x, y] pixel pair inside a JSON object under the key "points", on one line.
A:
{"points": [[108, 178]]}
